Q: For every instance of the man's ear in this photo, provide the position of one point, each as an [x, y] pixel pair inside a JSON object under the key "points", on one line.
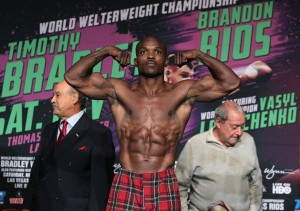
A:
{"points": [[218, 122], [75, 97], [135, 61]]}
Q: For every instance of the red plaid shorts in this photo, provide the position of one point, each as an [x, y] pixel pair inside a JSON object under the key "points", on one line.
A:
{"points": [[144, 191]]}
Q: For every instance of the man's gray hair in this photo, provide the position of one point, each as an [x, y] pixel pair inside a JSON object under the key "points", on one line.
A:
{"points": [[82, 99], [222, 110]]}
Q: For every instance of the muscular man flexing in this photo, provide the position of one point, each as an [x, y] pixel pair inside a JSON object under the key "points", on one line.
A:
{"points": [[150, 117]]}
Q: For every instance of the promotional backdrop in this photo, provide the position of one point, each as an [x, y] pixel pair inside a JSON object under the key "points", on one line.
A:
{"points": [[259, 40]]}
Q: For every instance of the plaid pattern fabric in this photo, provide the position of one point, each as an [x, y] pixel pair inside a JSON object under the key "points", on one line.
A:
{"points": [[144, 192]]}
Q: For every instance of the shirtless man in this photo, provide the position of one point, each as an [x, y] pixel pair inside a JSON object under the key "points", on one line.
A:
{"points": [[150, 117]]}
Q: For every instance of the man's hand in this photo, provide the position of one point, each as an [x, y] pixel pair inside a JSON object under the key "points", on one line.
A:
{"points": [[123, 57], [184, 57]]}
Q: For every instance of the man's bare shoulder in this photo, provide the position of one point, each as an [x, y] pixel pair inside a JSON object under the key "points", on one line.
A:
{"points": [[184, 84], [123, 87], [119, 82]]}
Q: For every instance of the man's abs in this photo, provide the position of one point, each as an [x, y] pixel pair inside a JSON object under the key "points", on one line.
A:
{"points": [[141, 163], [148, 150]]}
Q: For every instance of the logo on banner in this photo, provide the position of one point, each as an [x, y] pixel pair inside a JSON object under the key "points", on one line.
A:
{"points": [[270, 173], [297, 206], [264, 189], [281, 188], [273, 204], [2, 195], [18, 199]]}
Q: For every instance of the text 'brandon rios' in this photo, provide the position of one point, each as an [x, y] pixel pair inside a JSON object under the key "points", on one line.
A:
{"points": [[237, 32]]}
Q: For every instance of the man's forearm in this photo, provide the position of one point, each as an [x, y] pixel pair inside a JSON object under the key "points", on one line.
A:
{"points": [[256, 194], [184, 199], [84, 67]]}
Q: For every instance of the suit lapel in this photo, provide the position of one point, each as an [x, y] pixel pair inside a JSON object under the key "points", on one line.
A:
{"points": [[75, 134]]}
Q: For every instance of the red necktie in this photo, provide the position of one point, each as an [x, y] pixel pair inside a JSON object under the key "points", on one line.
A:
{"points": [[63, 132]]}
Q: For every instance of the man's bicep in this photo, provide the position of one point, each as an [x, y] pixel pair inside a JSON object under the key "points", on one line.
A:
{"points": [[97, 87], [206, 90]]}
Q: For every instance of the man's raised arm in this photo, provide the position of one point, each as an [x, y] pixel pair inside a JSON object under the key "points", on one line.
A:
{"points": [[94, 85], [222, 83]]}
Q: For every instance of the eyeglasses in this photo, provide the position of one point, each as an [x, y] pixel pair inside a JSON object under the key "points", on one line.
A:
{"points": [[219, 203]]}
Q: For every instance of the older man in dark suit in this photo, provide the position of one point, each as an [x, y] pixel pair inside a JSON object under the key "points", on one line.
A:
{"points": [[73, 170]]}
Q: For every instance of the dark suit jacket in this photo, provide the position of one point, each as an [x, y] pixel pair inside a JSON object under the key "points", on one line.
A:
{"points": [[75, 175]]}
